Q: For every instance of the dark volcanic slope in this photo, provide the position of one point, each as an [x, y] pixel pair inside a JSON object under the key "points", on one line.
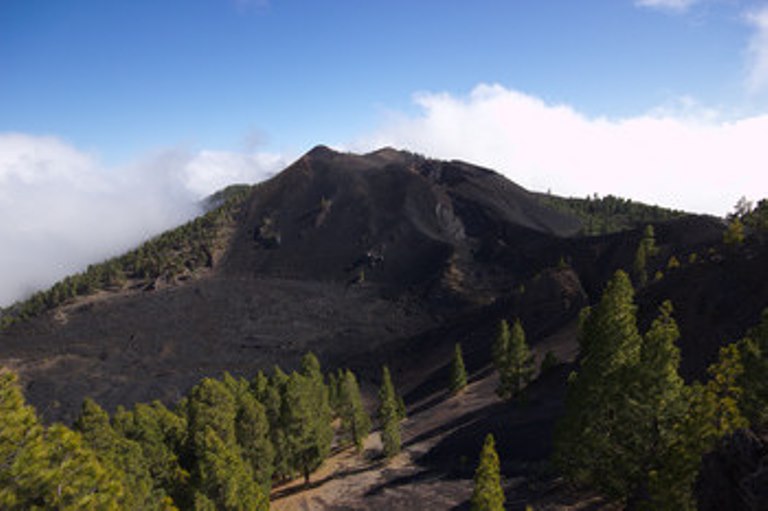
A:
{"points": [[402, 220], [341, 254]]}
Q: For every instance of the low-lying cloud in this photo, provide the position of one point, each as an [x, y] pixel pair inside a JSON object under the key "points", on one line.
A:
{"points": [[683, 158], [61, 209]]}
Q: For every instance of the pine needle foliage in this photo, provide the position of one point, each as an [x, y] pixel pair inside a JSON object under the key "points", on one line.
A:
{"points": [[389, 415], [632, 428], [488, 495]]}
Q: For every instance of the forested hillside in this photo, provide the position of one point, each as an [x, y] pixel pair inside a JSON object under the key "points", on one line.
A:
{"points": [[175, 254], [609, 214]]}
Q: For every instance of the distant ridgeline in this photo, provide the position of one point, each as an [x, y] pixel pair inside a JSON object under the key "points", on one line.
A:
{"points": [[609, 214], [170, 255]]}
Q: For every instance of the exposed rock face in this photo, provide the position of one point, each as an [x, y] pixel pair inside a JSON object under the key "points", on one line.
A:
{"points": [[735, 477]]}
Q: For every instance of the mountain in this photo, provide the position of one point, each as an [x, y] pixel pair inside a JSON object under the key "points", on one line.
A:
{"points": [[341, 254], [386, 258], [359, 258]]}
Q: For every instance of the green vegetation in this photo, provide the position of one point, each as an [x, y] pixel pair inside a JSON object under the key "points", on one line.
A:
{"points": [[645, 251], [49, 468], [458, 372], [390, 415], [220, 448], [512, 359], [609, 214], [754, 381], [182, 250], [355, 422], [633, 429], [734, 233], [746, 221], [488, 494], [756, 218]]}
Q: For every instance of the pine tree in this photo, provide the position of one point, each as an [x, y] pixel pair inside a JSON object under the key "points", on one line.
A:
{"points": [[322, 414], [488, 494], [210, 405], [754, 381], [306, 439], [734, 233], [711, 412], [273, 398], [632, 428], [48, 469], [161, 434], [252, 432], [355, 422], [501, 345], [657, 405], [389, 415], [517, 364], [225, 479], [114, 450], [252, 429], [596, 399], [458, 372]]}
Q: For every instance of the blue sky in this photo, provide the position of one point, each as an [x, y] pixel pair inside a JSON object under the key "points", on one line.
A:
{"points": [[117, 117], [123, 78]]}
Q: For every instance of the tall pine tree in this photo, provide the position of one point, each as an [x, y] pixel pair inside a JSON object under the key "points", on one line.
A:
{"points": [[355, 422], [596, 400], [389, 415], [48, 468], [632, 428], [488, 494], [516, 364], [114, 450]]}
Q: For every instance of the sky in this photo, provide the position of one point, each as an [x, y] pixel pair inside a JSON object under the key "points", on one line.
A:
{"points": [[116, 118]]}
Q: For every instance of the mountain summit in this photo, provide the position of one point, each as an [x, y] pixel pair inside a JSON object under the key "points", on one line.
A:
{"points": [[389, 217]]}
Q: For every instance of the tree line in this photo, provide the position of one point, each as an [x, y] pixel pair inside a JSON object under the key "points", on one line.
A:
{"points": [[609, 214], [221, 447]]}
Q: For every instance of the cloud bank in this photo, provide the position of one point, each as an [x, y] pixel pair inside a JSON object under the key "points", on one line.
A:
{"points": [[62, 210], [685, 159]]}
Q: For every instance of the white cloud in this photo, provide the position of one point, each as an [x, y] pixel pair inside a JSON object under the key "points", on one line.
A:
{"points": [[757, 81], [62, 210], [213, 170], [684, 160], [667, 5]]}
